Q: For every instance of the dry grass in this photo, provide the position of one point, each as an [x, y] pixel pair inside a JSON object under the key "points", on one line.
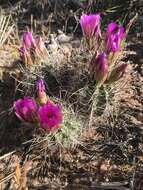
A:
{"points": [[5, 28]]}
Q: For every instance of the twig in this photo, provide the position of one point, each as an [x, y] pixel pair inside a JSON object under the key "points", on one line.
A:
{"points": [[115, 185]]}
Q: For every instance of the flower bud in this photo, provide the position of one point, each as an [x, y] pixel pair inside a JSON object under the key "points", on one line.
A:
{"points": [[117, 73], [41, 92], [28, 40], [25, 56], [99, 68], [114, 37]]}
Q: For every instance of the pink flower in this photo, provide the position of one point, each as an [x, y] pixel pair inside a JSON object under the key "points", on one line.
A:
{"points": [[99, 68], [41, 92], [28, 40], [26, 110], [114, 28], [114, 37], [117, 73], [50, 116], [90, 25]]}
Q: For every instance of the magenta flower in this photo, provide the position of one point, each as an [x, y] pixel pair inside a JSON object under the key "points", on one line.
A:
{"points": [[26, 110], [114, 28], [28, 40], [117, 73], [41, 92], [99, 68], [90, 25], [50, 116], [113, 43], [114, 37]]}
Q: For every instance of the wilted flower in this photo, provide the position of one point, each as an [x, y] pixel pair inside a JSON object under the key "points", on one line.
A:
{"points": [[41, 92], [99, 68], [28, 40], [117, 73], [40, 46], [50, 116], [114, 37], [32, 48], [90, 25], [26, 110]]}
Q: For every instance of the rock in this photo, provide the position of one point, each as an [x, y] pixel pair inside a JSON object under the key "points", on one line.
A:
{"points": [[63, 38], [52, 45]]}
